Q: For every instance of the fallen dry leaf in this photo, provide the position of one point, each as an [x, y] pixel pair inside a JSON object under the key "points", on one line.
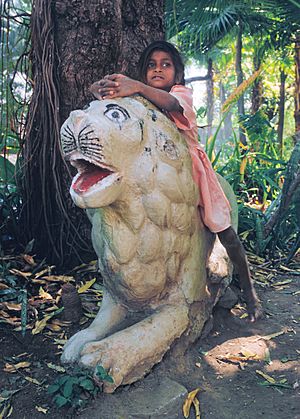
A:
{"points": [[41, 409], [242, 357], [11, 368], [33, 380], [12, 306], [273, 335], [45, 295], [53, 327], [196, 404], [266, 376], [54, 367], [281, 283], [20, 273], [60, 323], [86, 286], [44, 271], [250, 355], [188, 402], [41, 324], [38, 281], [14, 321], [6, 412], [4, 314], [29, 259], [58, 278]]}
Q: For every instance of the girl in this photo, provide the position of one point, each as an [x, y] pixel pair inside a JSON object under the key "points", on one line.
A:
{"points": [[161, 74]]}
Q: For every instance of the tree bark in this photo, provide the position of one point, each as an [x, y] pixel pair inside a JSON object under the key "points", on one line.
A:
{"points": [[227, 132], [99, 37], [297, 84], [74, 43], [257, 90], [290, 186], [197, 78], [281, 110], [240, 78], [210, 96]]}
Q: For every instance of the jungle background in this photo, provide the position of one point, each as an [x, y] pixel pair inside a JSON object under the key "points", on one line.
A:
{"points": [[247, 61]]}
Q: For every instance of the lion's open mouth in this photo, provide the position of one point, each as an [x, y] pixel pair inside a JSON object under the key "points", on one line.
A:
{"points": [[88, 175]]}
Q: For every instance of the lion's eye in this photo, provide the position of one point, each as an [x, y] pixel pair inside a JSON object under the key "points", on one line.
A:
{"points": [[116, 114]]}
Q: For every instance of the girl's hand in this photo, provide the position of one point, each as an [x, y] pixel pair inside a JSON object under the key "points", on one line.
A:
{"points": [[114, 85], [102, 88]]}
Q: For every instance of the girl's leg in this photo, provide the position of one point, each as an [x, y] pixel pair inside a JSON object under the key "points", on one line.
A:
{"points": [[237, 254]]}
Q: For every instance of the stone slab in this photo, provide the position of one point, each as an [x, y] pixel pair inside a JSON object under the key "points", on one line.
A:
{"points": [[149, 399]]}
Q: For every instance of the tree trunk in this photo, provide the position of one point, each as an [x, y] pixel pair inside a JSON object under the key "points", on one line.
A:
{"points": [[290, 192], [227, 132], [74, 43], [281, 110], [240, 78], [257, 90], [99, 37], [297, 85], [210, 96]]}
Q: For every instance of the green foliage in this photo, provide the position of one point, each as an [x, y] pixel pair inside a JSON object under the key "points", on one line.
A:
{"points": [[14, 95], [7, 171], [15, 291], [256, 174], [10, 206], [102, 374], [77, 388], [251, 224], [200, 25], [262, 175]]}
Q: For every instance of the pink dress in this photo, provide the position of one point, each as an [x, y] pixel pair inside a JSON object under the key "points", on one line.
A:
{"points": [[214, 206]]}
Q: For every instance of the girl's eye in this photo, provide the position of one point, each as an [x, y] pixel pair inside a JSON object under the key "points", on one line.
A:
{"points": [[166, 64], [151, 65]]}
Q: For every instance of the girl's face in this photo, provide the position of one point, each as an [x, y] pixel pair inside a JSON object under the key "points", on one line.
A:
{"points": [[161, 71]]}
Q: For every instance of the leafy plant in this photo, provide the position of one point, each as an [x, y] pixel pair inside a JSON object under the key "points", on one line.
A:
{"points": [[14, 291], [10, 207], [77, 388], [102, 374]]}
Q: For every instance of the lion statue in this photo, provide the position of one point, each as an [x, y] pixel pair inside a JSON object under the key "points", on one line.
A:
{"points": [[135, 181]]}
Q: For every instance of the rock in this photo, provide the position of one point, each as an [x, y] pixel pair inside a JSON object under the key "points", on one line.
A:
{"points": [[151, 399], [228, 300]]}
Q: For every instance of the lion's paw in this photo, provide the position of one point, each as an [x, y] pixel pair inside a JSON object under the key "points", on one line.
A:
{"points": [[101, 353], [73, 347]]}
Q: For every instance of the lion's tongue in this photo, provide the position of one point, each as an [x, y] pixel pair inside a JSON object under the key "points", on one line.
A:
{"points": [[89, 178]]}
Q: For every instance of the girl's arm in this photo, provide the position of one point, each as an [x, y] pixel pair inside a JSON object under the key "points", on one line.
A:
{"points": [[118, 85]]}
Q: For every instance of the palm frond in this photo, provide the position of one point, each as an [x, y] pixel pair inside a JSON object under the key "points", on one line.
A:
{"points": [[239, 91]]}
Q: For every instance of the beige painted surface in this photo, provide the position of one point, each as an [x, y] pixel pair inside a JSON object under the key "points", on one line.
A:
{"points": [[152, 246]]}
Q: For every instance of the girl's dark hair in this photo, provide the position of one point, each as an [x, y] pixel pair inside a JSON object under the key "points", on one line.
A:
{"points": [[166, 47]]}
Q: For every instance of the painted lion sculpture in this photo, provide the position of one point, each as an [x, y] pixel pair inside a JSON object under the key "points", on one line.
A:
{"points": [[135, 181]]}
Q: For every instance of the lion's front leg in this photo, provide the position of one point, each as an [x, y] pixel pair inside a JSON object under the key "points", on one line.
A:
{"points": [[108, 317], [129, 354]]}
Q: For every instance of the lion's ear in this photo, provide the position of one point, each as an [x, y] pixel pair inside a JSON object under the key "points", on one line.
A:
{"points": [[137, 107], [168, 148]]}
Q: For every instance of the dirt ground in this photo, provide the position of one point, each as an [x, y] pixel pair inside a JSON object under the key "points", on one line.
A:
{"points": [[243, 370]]}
